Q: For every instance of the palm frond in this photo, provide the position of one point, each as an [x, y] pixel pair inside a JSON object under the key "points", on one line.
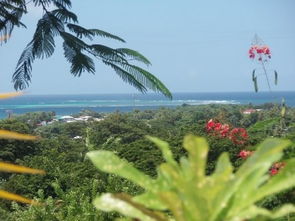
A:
{"points": [[127, 77], [135, 55], [147, 79], [79, 61], [53, 24], [69, 52], [43, 39], [73, 41], [62, 3], [22, 75], [106, 53], [45, 3], [80, 31], [10, 15], [104, 34], [65, 15]]}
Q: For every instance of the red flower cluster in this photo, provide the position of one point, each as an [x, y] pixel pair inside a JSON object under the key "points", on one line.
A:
{"points": [[244, 154], [276, 168], [236, 135], [217, 128], [259, 51]]}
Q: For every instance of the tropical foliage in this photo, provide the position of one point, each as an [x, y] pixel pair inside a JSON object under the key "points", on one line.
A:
{"points": [[78, 50], [7, 167], [63, 157], [187, 193]]}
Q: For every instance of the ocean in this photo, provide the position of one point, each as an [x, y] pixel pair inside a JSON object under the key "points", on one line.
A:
{"points": [[71, 104]]}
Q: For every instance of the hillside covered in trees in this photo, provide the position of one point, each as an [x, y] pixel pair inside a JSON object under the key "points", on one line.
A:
{"points": [[71, 181]]}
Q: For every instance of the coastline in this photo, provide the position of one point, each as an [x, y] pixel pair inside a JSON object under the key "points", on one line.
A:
{"points": [[107, 103]]}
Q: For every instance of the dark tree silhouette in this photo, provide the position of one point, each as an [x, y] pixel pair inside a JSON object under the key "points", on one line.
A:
{"points": [[61, 22]]}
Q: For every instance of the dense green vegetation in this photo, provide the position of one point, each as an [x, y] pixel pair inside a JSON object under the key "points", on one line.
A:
{"points": [[72, 182], [182, 191]]}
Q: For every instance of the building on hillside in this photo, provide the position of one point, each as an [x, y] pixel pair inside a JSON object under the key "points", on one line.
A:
{"points": [[251, 111]]}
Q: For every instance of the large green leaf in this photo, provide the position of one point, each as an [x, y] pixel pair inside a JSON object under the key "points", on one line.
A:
{"points": [[198, 149], [108, 203], [151, 201], [189, 194], [110, 163], [282, 181], [167, 153]]}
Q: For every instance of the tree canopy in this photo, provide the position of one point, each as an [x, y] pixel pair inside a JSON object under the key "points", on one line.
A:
{"points": [[77, 45]]}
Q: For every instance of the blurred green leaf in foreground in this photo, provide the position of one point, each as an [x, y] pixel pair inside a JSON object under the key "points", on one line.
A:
{"points": [[183, 192]]}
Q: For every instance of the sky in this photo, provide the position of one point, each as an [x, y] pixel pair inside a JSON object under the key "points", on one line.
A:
{"points": [[193, 45]]}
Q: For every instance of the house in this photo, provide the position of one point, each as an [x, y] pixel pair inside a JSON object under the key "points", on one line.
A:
{"points": [[251, 111]]}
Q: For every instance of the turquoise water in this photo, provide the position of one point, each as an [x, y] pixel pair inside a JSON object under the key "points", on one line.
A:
{"points": [[70, 104]]}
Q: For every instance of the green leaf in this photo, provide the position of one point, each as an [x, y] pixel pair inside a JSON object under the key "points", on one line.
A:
{"points": [[150, 80], [108, 162], [81, 63], [64, 15], [74, 42], [164, 147], [198, 149], [255, 84], [253, 75], [63, 3], [22, 75], [186, 193], [135, 55], [43, 39], [11, 13], [127, 77], [255, 211], [80, 31], [105, 34], [282, 181], [175, 205], [107, 54], [108, 203], [266, 154], [150, 200], [276, 77], [221, 177]]}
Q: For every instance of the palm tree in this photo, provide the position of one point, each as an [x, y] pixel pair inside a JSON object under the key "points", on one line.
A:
{"points": [[61, 22]]}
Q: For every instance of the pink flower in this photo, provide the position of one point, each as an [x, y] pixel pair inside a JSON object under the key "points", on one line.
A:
{"points": [[273, 171], [238, 135], [218, 127], [244, 154], [259, 50], [210, 125], [276, 167], [224, 130]]}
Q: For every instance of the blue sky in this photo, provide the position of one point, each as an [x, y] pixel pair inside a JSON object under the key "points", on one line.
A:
{"points": [[194, 46]]}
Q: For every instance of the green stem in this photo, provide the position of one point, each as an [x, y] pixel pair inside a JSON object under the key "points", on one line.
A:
{"points": [[265, 73]]}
